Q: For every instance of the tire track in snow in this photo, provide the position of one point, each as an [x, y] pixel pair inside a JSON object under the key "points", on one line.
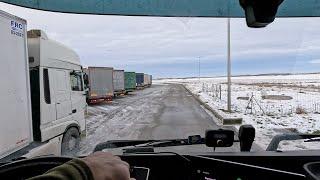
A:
{"points": [[123, 119]]}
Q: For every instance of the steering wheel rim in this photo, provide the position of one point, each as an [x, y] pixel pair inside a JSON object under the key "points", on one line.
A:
{"points": [[26, 168]]}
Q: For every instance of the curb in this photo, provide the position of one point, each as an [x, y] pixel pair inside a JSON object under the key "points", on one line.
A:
{"points": [[224, 120]]}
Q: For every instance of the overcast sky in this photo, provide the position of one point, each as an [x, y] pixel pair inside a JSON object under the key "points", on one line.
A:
{"points": [[170, 47]]}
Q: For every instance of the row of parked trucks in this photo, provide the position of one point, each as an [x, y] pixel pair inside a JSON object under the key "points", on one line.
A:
{"points": [[44, 92], [104, 83]]}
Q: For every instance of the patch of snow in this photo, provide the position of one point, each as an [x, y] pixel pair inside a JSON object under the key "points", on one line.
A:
{"points": [[126, 120]]}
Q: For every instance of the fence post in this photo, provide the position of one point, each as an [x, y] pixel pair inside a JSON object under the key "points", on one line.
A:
{"points": [[220, 90]]}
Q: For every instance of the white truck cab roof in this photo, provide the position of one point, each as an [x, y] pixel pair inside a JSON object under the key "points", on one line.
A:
{"points": [[52, 53]]}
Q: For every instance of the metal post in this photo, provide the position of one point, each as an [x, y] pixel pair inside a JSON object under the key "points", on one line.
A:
{"points": [[220, 91], [229, 69], [199, 69]]}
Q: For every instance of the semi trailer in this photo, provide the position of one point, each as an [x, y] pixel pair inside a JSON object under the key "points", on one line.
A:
{"points": [[130, 81], [140, 80], [150, 80], [42, 93], [118, 82], [100, 84], [145, 80]]}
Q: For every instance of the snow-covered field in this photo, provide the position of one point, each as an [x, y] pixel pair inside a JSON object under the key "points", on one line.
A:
{"points": [[273, 104]]}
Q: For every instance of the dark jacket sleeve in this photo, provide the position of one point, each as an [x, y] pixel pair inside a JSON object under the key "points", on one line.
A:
{"points": [[71, 170]]}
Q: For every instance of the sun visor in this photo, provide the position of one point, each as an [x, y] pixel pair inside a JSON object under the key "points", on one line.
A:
{"points": [[168, 8]]}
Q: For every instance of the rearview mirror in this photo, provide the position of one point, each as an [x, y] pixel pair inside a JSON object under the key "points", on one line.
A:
{"points": [[260, 13], [219, 138]]}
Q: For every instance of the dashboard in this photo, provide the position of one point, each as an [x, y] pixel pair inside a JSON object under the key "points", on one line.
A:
{"points": [[193, 166], [237, 166]]}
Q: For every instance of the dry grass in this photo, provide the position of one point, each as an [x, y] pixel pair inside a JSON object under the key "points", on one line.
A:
{"points": [[300, 110], [277, 97]]}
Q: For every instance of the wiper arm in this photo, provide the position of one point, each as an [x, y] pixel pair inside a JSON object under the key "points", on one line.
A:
{"points": [[173, 142], [149, 147], [146, 143], [154, 143], [214, 138], [119, 143]]}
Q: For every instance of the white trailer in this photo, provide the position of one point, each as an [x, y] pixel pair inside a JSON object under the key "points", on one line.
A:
{"points": [[42, 95], [150, 80], [100, 83], [147, 80], [118, 82]]}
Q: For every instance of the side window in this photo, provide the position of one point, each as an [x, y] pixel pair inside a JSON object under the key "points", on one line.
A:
{"points": [[46, 86], [86, 80], [76, 81]]}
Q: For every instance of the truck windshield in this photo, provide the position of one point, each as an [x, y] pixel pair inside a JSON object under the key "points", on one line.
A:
{"points": [[167, 77]]}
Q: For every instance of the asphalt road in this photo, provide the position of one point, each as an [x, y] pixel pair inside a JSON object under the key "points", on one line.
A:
{"points": [[179, 116], [159, 112]]}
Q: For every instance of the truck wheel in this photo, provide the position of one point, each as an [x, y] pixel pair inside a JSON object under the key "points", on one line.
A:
{"points": [[70, 142]]}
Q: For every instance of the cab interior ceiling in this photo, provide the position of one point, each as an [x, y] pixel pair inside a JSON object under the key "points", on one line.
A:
{"points": [[258, 13]]}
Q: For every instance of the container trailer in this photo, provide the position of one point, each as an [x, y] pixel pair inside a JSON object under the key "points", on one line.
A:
{"points": [[150, 80], [140, 80], [100, 84], [147, 80], [118, 82], [130, 81]]}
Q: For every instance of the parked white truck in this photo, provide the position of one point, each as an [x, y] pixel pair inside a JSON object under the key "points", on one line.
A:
{"points": [[42, 93]]}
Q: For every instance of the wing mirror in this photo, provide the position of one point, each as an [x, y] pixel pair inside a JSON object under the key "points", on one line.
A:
{"points": [[260, 13], [225, 137], [246, 137], [75, 73], [219, 138]]}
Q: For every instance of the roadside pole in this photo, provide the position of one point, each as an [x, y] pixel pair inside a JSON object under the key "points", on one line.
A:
{"points": [[229, 69], [199, 70]]}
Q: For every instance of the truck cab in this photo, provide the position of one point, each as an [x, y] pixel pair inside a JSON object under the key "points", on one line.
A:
{"points": [[57, 91], [42, 93]]}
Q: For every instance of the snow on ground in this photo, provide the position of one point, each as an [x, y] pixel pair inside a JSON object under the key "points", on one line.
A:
{"points": [[125, 118], [270, 115]]}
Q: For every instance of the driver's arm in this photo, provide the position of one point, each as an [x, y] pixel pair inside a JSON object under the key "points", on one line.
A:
{"points": [[96, 166]]}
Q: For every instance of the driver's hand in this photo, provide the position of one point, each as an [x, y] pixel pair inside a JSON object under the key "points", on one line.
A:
{"points": [[105, 166]]}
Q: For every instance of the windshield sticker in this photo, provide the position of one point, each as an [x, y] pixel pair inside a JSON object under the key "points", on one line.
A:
{"points": [[17, 28]]}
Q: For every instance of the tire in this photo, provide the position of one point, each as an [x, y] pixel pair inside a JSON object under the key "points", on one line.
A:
{"points": [[70, 142]]}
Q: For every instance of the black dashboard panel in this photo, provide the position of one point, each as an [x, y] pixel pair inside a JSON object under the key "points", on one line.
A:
{"points": [[271, 165], [193, 166]]}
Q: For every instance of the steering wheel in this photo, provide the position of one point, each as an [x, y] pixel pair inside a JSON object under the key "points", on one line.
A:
{"points": [[26, 168]]}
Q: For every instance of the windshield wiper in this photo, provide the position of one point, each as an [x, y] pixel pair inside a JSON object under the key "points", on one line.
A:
{"points": [[149, 147], [213, 138], [149, 143], [173, 142]]}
